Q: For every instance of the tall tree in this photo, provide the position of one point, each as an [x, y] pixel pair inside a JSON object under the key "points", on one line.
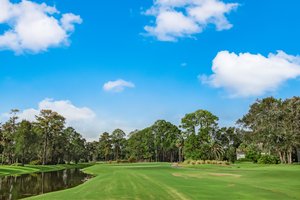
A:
{"points": [[105, 146], [8, 133], [199, 129], [49, 124], [25, 140], [117, 138], [274, 124], [165, 138]]}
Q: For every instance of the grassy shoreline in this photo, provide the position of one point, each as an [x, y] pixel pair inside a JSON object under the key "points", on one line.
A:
{"points": [[162, 181], [8, 170]]}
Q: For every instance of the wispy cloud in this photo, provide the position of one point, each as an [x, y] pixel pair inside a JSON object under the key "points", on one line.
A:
{"points": [[118, 85]]}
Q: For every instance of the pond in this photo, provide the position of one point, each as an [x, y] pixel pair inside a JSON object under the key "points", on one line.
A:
{"points": [[17, 187]]}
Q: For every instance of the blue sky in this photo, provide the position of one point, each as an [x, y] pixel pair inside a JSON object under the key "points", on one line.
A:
{"points": [[110, 43]]}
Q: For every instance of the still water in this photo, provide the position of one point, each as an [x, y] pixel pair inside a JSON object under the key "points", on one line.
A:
{"points": [[17, 187]]}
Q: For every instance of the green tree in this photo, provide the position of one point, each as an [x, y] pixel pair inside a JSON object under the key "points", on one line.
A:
{"points": [[166, 136], [50, 125], [25, 139], [75, 148], [8, 133], [199, 129], [274, 125], [118, 140], [105, 146]]}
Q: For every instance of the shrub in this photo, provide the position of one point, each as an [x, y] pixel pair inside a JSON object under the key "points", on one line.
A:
{"points": [[35, 162], [208, 162], [188, 161], [201, 162], [132, 159], [244, 160], [221, 162], [253, 153], [268, 159], [17, 164]]}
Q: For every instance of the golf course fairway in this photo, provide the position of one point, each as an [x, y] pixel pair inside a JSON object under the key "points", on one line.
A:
{"points": [[162, 181]]}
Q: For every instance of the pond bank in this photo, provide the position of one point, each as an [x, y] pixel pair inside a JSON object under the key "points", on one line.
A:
{"points": [[8, 170], [27, 185]]}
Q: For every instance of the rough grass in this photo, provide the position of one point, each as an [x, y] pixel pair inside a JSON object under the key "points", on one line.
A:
{"points": [[6, 170], [161, 181]]}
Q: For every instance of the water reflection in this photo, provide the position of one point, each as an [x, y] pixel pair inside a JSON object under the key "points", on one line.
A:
{"points": [[16, 187]]}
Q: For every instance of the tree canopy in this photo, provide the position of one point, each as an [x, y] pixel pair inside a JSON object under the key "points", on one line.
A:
{"points": [[271, 127]]}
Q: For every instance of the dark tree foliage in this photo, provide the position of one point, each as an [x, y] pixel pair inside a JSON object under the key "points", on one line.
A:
{"points": [[269, 132]]}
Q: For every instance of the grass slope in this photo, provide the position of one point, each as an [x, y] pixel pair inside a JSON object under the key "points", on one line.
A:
{"points": [[161, 181], [6, 170]]}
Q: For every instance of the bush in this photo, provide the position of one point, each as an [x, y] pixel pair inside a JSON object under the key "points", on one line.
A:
{"points": [[253, 153], [35, 162], [208, 162], [132, 159], [188, 161], [244, 160], [122, 161], [268, 159], [17, 164], [201, 162]]}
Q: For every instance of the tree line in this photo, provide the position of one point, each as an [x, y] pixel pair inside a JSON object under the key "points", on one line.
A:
{"points": [[271, 129], [45, 141]]}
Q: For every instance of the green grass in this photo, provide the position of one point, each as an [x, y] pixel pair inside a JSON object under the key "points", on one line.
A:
{"points": [[161, 181], [6, 170]]}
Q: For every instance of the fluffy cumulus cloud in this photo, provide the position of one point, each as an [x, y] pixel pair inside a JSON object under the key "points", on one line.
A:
{"points": [[183, 18], [34, 27], [248, 74], [83, 119], [117, 86]]}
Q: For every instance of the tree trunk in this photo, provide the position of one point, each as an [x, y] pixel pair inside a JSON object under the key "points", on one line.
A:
{"points": [[179, 154], [290, 157], [45, 150], [281, 157], [23, 155], [2, 158], [284, 157]]}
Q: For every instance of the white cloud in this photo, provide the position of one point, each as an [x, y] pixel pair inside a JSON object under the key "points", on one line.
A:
{"points": [[34, 27], [83, 119], [248, 74], [117, 86], [183, 18]]}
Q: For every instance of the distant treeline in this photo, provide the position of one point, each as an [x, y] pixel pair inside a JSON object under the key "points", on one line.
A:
{"points": [[268, 133]]}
